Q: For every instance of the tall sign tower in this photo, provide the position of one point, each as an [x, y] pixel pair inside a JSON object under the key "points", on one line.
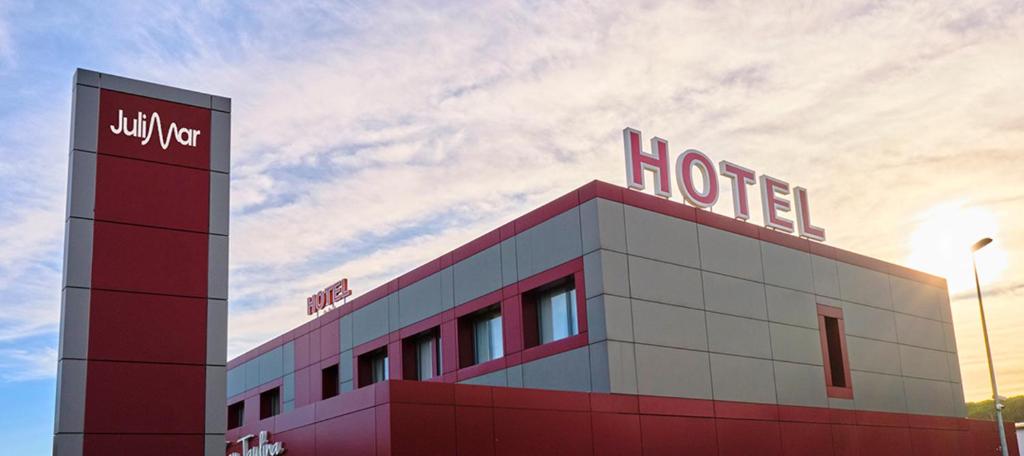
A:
{"points": [[144, 296]]}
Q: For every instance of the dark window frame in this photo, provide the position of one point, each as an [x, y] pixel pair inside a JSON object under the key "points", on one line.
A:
{"points": [[834, 353]]}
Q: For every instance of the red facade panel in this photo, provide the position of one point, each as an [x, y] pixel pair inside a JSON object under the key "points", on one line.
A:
{"points": [[152, 194], [108, 444], [149, 260], [474, 430], [127, 326], [115, 405], [531, 431], [737, 437], [616, 433], [672, 435]]}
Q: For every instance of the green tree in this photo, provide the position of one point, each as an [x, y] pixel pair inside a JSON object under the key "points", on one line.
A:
{"points": [[983, 410]]}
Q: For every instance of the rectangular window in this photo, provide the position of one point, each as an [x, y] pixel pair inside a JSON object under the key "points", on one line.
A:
{"points": [[236, 414], [421, 355], [373, 367], [556, 314], [428, 357], [329, 382], [833, 351], [270, 403], [487, 337]]}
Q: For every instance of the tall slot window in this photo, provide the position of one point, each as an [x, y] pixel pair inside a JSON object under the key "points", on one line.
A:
{"points": [[236, 414], [833, 351], [329, 382], [556, 314]]}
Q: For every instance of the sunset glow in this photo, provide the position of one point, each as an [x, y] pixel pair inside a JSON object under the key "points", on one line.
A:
{"points": [[941, 244]]}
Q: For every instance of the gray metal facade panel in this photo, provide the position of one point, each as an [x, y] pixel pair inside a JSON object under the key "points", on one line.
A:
{"points": [[345, 333], [666, 283], [922, 394], [220, 142], [796, 344], [496, 378], [924, 363], [871, 355], [70, 444], [81, 198], [738, 336], [345, 366], [216, 332], [609, 317], [288, 357], [866, 321], [916, 298], [548, 244], [729, 295], [477, 275], [786, 267], [660, 237], [74, 320], [567, 371], [602, 225], [800, 384], [370, 322], [78, 236], [220, 188], [270, 365], [878, 392], [826, 276], [420, 300], [730, 254], [252, 374], [738, 378], [791, 307], [509, 270], [447, 288], [621, 366], [218, 267], [216, 420], [669, 326], [920, 332], [662, 371], [71, 381], [864, 286], [236, 381], [85, 118], [605, 272]]}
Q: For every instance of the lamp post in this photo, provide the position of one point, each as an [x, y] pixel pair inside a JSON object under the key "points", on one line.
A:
{"points": [[988, 351]]}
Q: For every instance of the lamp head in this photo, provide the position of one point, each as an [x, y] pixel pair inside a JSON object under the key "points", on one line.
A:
{"points": [[982, 243]]}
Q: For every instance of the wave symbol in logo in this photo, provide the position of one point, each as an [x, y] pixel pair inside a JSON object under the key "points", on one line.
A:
{"points": [[142, 128]]}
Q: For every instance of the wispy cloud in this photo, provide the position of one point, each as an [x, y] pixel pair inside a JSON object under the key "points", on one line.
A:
{"points": [[20, 365], [369, 138]]}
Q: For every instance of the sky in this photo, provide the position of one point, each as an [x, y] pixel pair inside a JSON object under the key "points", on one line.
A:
{"points": [[370, 137]]}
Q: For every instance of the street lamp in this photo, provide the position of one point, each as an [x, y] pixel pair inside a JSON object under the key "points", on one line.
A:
{"points": [[988, 351]]}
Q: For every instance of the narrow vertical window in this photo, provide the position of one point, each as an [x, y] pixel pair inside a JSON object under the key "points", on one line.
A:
{"points": [[329, 382], [833, 351], [270, 403], [236, 414]]}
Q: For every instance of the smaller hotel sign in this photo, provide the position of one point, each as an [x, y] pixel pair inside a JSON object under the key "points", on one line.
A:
{"points": [[331, 295], [774, 192]]}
